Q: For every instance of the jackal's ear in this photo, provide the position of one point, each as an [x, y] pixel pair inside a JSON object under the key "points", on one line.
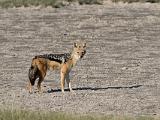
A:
{"points": [[75, 45], [84, 45]]}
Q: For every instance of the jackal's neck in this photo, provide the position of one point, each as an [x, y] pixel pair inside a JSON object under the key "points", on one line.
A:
{"points": [[73, 60]]}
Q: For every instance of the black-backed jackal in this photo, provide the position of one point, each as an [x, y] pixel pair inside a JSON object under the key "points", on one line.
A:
{"points": [[64, 62]]}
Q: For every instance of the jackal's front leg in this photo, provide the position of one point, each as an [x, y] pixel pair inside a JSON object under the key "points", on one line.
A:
{"points": [[62, 80], [68, 82]]}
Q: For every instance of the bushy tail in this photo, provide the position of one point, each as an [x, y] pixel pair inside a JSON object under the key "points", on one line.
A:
{"points": [[33, 72]]}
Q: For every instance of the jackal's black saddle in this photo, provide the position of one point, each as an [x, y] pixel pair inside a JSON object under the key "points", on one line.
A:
{"points": [[60, 58]]}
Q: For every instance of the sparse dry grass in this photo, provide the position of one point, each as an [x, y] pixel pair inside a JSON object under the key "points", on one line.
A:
{"points": [[33, 115], [60, 3], [131, 1], [52, 3]]}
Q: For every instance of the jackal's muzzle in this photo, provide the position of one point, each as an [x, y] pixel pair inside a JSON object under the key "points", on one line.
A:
{"points": [[83, 53]]}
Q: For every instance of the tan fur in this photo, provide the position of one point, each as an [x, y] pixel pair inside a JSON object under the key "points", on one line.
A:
{"points": [[44, 64]]}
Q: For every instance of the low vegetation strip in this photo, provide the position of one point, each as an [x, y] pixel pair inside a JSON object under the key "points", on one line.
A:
{"points": [[52, 3], [34, 115], [59, 3], [131, 1]]}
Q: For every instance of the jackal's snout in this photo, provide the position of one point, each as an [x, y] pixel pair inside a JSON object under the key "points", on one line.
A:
{"points": [[83, 53]]}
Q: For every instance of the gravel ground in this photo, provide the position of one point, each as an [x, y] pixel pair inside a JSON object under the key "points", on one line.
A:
{"points": [[119, 74]]}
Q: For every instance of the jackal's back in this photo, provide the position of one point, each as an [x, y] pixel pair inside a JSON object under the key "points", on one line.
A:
{"points": [[60, 58]]}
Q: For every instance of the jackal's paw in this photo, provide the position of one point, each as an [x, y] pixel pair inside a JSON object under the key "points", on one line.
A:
{"points": [[63, 91], [30, 92], [40, 92]]}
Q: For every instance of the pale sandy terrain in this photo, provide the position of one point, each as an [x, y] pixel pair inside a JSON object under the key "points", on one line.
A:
{"points": [[120, 73]]}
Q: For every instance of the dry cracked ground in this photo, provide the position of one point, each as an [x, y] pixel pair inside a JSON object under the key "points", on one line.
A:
{"points": [[120, 73]]}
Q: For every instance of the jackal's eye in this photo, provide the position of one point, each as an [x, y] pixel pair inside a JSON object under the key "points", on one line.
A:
{"points": [[78, 52]]}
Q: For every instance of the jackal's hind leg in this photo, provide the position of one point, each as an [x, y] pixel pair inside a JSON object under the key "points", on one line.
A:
{"points": [[41, 78], [39, 85]]}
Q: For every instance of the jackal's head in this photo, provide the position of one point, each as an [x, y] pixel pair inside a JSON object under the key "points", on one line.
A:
{"points": [[79, 50]]}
